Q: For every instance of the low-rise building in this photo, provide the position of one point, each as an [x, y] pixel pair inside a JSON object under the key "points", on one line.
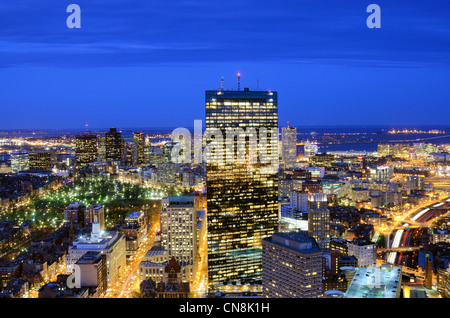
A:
{"points": [[376, 282], [364, 250]]}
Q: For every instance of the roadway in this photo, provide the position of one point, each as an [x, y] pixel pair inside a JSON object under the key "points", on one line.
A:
{"points": [[199, 284], [129, 281], [414, 219]]}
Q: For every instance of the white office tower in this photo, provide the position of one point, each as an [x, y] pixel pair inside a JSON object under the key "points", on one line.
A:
{"points": [[110, 243], [179, 229]]}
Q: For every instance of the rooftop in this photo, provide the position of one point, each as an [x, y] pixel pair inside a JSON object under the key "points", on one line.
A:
{"points": [[361, 242], [297, 241], [375, 282], [90, 257], [181, 200], [134, 215]]}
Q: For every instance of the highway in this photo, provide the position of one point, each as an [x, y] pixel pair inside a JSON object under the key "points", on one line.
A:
{"points": [[414, 219]]}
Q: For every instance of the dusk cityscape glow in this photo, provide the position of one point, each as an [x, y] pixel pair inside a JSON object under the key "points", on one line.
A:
{"points": [[224, 155]]}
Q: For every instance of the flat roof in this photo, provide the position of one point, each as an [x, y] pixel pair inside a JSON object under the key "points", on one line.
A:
{"points": [[90, 257], [134, 215], [375, 282], [297, 241]]}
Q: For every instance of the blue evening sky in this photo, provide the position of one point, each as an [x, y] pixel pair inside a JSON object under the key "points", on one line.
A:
{"points": [[146, 63]]}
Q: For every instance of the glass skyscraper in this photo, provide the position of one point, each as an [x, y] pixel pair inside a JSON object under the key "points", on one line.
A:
{"points": [[86, 149], [242, 197], [114, 145]]}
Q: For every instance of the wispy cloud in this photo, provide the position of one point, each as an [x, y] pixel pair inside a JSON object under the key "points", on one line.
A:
{"points": [[136, 32]]}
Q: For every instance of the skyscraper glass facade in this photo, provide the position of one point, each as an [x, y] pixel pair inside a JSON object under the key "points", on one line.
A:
{"points": [[242, 198]]}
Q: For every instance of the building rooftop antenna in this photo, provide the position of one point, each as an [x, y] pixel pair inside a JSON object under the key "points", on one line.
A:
{"points": [[221, 85], [239, 81]]}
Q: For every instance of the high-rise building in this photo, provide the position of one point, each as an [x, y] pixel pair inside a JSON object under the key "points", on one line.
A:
{"points": [[42, 160], [142, 155], [242, 196], [317, 201], [415, 183], [319, 220], [292, 266], [299, 200], [384, 173], [101, 148], [114, 145], [131, 153], [168, 147], [20, 161], [295, 215], [179, 229], [86, 149], [289, 146]]}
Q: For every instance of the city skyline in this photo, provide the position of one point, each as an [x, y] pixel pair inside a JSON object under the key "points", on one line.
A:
{"points": [[228, 152]]}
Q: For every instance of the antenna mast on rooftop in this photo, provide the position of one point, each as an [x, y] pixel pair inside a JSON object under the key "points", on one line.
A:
{"points": [[239, 81]]}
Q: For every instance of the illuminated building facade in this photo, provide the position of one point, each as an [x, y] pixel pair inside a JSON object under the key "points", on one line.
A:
{"points": [[142, 155], [114, 145], [20, 161], [289, 146], [242, 198], [95, 212], [179, 229], [397, 150], [292, 266], [131, 153], [310, 150], [365, 252], [168, 147], [323, 160], [135, 230], [75, 214], [42, 160], [91, 271], [110, 243], [86, 149], [319, 220], [101, 148]]}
